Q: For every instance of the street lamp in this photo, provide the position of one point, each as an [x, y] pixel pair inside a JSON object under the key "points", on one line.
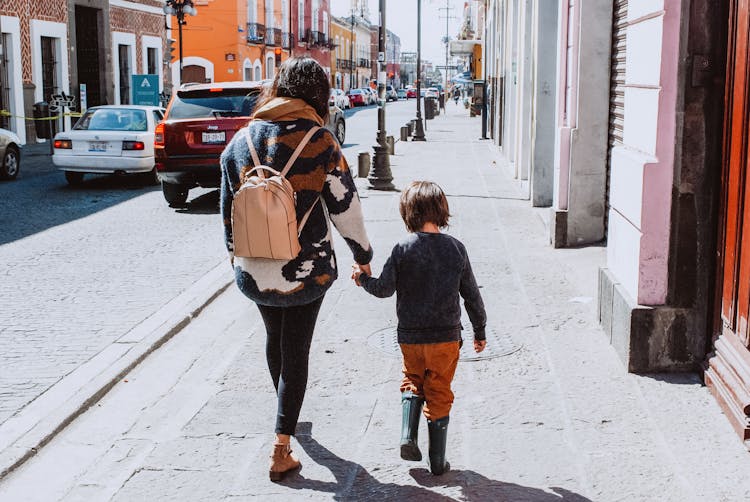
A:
{"points": [[418, 125], [381, 177], [179, 9]]}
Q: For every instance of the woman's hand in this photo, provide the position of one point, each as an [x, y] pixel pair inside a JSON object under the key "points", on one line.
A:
{"points": [[356, 272], [479, 345]]}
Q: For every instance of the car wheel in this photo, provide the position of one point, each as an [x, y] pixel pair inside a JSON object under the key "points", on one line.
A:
{"points": [[175, 195], [11, 164], [341, 132], [73, 178]]}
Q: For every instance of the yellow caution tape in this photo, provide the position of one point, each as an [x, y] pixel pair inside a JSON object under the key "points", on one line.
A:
{"points": [[6, 113]]}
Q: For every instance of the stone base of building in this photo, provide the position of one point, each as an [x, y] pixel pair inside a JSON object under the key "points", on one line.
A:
{"points": [[558, 228], [648, 339], [727, 376]]}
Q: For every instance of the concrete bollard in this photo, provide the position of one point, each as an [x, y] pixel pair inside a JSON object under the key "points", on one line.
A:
{"points": [[405, 133], [391, 143], [363, 164]]}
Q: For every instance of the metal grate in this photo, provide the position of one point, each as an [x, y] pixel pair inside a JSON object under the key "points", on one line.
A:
{"points": [[616, 91], [498, 345]]}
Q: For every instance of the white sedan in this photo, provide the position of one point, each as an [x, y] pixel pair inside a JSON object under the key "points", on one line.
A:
{"points": [[109, 139]]}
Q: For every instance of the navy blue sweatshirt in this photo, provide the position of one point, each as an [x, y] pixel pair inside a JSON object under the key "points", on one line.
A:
{"points": [[428, 272]]}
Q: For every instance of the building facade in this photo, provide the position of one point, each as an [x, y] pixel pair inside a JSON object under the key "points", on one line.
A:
{"points": [[49, 48], [638, 140], [312, 21], [393, 59], [342, 36]]}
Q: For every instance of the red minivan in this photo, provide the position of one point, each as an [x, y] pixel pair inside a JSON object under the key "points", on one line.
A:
{"points": [[200, 120]]}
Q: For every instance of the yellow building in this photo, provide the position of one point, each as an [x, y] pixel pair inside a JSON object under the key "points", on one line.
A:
{"points": [[344, 38]]}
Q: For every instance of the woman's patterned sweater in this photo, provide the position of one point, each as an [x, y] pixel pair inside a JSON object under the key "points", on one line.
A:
{"points": [[320, 171]]}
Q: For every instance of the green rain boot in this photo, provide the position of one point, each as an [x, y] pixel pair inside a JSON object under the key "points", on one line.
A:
{"points": [[438, 430], [411, 411]]}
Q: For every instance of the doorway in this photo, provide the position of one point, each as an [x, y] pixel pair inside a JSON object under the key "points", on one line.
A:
{"points": [[728, 371], [194, 73], [87, 53]]}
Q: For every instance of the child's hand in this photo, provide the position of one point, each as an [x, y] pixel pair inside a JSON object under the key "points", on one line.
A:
{"points": [[479, 345], [356, 272]]}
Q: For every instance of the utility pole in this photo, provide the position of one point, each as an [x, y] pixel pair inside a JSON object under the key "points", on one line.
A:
{"points": [[418, 125], [381, 177], [447, 38], [351, 55]]}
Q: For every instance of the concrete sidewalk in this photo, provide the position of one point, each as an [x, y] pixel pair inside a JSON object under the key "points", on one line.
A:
{"points": [[555, 419]]}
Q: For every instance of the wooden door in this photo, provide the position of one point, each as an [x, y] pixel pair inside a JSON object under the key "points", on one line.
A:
{"points": [[728, 371]]}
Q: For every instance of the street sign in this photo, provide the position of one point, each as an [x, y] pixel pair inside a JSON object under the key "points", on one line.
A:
{"points": [[145, 90]]}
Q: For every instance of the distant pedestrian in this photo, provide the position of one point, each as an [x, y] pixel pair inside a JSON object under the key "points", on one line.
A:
{"points": [[428, 271], [289, 293], [456, 95]]}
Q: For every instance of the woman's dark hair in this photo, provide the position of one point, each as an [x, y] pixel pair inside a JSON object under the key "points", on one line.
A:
{"points": [[423, 202], [302, 78]]}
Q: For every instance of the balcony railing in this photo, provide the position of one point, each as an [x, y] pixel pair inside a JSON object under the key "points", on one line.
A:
{"points": [[273, 36], [309, 38], [322, 39], [287, 40], [364, 63], [343, 64], [256, 33]]}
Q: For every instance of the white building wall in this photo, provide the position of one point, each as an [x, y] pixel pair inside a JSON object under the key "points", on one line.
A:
{"points": [[11, 26]]}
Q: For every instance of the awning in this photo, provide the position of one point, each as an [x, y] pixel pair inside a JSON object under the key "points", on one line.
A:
{"points": [[463, 47]]}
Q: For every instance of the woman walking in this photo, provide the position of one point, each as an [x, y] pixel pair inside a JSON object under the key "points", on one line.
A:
{"points": [[289, 293]]}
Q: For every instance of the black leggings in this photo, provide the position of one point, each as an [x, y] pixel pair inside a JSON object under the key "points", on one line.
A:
{"points": [[289, 334]]}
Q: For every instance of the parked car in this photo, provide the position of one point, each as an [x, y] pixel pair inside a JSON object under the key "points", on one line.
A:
{"points": [[390, 93], [373, 95], [338, 98], [109, 139], [200, 120], [432, 92], [401, 93], [411, 92], [357, 97], [10, 155]]}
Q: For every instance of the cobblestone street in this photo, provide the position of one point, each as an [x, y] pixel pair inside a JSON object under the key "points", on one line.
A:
{"points": [[556, 418]]}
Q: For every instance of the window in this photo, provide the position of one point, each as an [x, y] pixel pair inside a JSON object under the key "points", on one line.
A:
{"points": [[284, 15], [112, 119], [4, 79], [158, 117], [49, 68], [152, 61], [314, 19], [248, 73], [269, 14], [338, 52], [301, 20], [258, 75], [252, 11], [270, 67], [325, 23], [206, 103], [125, 72]]}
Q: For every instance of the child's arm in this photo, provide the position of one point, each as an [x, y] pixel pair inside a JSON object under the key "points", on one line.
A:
{"points": [[383, 286], [474, 304]]}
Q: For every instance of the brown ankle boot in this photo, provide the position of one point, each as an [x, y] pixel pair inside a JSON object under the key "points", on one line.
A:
{"points": [[282, 461]]}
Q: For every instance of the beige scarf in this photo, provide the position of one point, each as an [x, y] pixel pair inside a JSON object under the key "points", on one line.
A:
{"points": [[287, 109]]}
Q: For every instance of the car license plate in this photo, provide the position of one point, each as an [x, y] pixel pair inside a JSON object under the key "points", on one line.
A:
{"points": [[214, 137], [97, 146]]}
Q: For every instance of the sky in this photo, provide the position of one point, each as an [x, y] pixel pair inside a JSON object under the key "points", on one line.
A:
{"points": [[401, 19]]}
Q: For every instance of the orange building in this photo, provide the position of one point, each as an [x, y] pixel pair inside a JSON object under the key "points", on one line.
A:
{"points": [[229, 40]]}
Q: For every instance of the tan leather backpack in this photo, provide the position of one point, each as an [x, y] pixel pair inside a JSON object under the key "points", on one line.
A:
{"points": [[264, 218]]}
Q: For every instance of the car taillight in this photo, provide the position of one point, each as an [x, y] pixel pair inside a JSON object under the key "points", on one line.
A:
{"points": [[64, 144], [133, 145], [159, 135]]}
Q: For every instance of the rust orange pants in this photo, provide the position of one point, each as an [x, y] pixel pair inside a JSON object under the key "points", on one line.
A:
{"points": [[428, 372]]}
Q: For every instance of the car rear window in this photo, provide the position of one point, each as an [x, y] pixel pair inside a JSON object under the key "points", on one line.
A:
{"points": [[112, 119], [205, 103], [355, 91]]}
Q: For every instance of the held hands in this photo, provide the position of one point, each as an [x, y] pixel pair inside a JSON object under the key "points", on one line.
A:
{"points": [[479, 345], [358, 270]]}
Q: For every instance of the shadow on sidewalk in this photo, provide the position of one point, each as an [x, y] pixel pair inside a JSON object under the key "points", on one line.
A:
{"points": [[477, 487], [353, 482]]}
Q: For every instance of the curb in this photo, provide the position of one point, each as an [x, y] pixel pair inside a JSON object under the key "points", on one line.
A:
{"points": [[25, 433]]}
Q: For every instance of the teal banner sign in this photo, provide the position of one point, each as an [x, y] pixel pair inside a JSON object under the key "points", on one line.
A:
{"points": [[145, 90]]}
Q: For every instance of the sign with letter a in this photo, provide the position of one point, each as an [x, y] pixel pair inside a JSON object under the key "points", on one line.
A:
{"points": [[145, 90]]}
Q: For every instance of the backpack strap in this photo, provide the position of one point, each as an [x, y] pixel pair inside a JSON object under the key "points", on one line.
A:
{"points": [[306, 217], [299, 149], [254, 153]]}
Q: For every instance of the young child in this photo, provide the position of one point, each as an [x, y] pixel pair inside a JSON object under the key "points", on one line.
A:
{"points": [[428, 271]]}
